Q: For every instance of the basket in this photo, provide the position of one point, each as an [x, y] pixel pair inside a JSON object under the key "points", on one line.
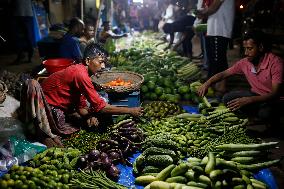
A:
{"points": [[105, 77], [3, 91]]}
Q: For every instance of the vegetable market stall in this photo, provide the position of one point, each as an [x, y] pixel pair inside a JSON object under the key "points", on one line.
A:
{"points": [[165, 148]]}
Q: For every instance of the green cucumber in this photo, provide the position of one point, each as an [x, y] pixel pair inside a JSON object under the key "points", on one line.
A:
{"points": [[180, 169], [248, 147], [204, 179], [258, 184], [210, 166], [258, 166], [160, 185], [215, 174], [198, 170], [237, 181], [144, 180], [197, 184], [177, 179], [190, 175], [165, 173], [246, 153], [217, 185], [243, 160], [239, 187]]}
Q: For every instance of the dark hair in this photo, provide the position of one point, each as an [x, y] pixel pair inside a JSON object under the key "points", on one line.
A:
{"points": [[74, 22], [259, 38], [93, 49], [105, 23]]}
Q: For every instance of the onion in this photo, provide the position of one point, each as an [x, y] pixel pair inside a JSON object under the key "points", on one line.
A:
{"points": [[82, 162], [129, 124], [114, 155], [94, 155], [106, 162], [95, 164], [113, 172], [104, 155]]}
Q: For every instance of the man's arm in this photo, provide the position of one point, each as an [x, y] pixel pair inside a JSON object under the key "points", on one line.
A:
{"points": [[239, 102], [115, 36], [137, 111], [214, 79], [215, 5]]}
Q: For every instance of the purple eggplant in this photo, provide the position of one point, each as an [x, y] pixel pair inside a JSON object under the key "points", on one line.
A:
{"points": [[113, 172], [94, 155]]}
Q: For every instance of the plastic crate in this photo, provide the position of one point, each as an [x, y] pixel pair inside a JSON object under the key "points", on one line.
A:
{"points": [[125, 99]]}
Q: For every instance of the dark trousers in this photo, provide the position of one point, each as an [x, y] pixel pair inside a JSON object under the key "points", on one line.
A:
{"points": [[216, 49], [24, 35], [269, 112], [187, 44]]}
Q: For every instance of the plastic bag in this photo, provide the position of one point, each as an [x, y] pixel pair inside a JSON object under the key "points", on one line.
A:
{"points": [[6, 158], [24, 150], [10, 126], [267, 177]]}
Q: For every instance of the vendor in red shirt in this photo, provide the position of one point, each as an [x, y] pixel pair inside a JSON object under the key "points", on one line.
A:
{"points": [[66, 92], [264, 72]]}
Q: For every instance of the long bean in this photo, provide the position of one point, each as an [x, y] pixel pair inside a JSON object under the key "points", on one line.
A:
{"points": [[94, 179]]}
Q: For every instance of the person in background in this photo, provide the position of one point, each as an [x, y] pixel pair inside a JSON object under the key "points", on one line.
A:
{"points": [[88, 36], [264, 72], [202, 35], [220, 14], [24, 29], [70, 43], [68, 90], [184, 26], [107, 37], [169, 15]]}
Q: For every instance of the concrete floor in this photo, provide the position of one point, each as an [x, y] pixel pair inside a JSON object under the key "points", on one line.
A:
{"points": [[6, 63]]}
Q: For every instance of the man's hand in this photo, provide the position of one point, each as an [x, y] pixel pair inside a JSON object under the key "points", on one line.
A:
{"points": [[202, 90], [201, 14], [92, 122], [237, 103], [136, 112]]}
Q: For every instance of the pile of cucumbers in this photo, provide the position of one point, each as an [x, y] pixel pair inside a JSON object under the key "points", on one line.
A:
{"points": [[209, 172]]}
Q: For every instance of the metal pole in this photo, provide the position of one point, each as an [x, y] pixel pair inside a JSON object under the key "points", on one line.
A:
{"points": [[98, 19], [82, 9]]}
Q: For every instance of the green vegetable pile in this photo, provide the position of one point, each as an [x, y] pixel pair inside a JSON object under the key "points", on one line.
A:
{"points": [[233, 135], [56, 158], [35, 178], [210, 172], [196, 134], [85, 140], [159, 152], [52, 168], [166, 74], [160, 109]]}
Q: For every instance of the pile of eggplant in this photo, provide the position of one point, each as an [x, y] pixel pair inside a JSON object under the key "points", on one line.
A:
{"points": [[125, 140]]}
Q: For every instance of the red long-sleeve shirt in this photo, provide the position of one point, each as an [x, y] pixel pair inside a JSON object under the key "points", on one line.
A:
{"points": [[68, 89]]}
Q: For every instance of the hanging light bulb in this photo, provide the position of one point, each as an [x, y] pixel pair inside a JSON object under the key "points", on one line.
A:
{"points": [[241, 6], [98, 2]]}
